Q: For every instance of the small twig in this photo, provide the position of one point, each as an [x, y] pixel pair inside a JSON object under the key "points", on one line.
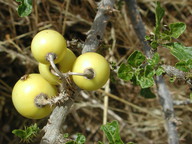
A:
{"points": [[65, 18], [182, 102], [105, 110]]}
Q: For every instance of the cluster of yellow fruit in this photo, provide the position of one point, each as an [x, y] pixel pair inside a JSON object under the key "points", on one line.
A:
{"points": [[30, 86]]}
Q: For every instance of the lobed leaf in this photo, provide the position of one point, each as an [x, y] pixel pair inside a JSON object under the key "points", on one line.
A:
{"points": [[145, 82], [185, 66], [176, 29], [136, 59], [80, 139], [28, 133], [154, 44], [159, 71], [111, 131], [154, 60], [19, 133], [145, 79], [125, 72], [180, 51], [24, 8]]}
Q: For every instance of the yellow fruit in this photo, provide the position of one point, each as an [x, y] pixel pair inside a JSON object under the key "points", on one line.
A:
{"points": [[48, 41], [98, 64], [26, 90]]}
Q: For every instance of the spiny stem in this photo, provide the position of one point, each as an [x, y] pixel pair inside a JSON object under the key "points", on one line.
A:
{"points": [[42, 99]]}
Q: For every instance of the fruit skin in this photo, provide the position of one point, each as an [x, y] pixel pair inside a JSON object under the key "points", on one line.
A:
{"points": [[101, 70], [48, 41], [64, 66], [24, 93]]}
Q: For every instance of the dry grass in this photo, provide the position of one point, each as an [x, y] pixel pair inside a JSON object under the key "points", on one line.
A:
{"points": [[140, 119]]}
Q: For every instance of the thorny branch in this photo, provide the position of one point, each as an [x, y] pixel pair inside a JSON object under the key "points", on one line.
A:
{"points": [[164, 95], [95, 34], [174, 72], [53, 129]]}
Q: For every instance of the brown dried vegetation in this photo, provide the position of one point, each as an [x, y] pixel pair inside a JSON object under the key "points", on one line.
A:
{"points": [[140, 119]]}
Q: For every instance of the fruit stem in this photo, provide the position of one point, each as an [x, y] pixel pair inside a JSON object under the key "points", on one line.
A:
{"points": [[88, 73], [50, 58]]}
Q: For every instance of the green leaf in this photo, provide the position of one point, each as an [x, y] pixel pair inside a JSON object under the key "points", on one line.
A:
{"points": [[150, 37], [165, 36], [136, 59], [178, 50], [24, 8], [185, 66], [182, 65], [145, 79], [125, 72], [66, 135], [146, 92], [159, 13], [176, 29], [149, 71], [80, 139], [145, 82], [111, 131], [147, 38], [154, 60], [154, 44], [19, 133], [28, 133], [159, 71]]}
